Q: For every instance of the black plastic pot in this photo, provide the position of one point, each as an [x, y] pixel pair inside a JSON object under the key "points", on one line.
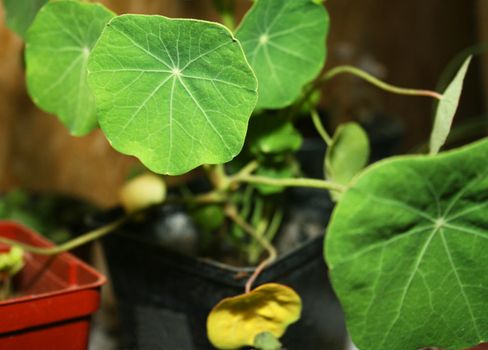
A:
{"points": [[164, 297]]}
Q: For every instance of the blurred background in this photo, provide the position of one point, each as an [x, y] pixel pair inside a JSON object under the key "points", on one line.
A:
{"points": [[407, 43]]}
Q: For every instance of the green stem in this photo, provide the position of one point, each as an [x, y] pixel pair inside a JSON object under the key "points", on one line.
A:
{"points": [[292, 182], [377, 82], [231, 212], [320, 128], [87, 237], [274, 225], [248, 169]]}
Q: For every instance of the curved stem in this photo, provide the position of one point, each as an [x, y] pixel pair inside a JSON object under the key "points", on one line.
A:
{"points": [[231, 212], [320, 127], [292, 182], [377, 82], [87, 237]]}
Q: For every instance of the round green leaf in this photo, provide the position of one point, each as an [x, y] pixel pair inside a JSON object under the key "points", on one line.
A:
{"points": [[446, 109], [175, 93], [19, 14], [285, 42], [347, 155], [406, 249], [58, 45]]}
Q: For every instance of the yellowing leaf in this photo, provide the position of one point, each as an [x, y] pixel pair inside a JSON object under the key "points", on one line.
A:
{"points": [[235, 322], [142, 192]]}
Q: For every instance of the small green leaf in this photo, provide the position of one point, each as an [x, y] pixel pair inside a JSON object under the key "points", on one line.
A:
{"points": [[19, 14], [58, 45], [208, 217], [175, 93], [266, 341], [285, 42], [12, 261], [406, 248], [446, 109], [347, 155], [270, 135]]}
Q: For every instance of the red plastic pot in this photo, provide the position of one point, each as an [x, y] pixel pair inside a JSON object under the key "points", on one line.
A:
{"points": [[53, 300]]}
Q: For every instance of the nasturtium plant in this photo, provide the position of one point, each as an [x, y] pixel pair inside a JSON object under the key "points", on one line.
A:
{"points": [[446, 109], [19, 14], [285, 44], [58, 46], [176, 93], [269, 308], [347, 155], [406, 248], [406, 244]]}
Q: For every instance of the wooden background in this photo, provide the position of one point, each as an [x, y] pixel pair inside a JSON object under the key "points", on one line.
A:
{"points": [[406, 42]]}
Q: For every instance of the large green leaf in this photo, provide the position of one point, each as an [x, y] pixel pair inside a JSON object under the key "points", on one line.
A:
{"points": [[347, 155], [58, 45], [446, 109], [175, 93], [19, 14], [285, 42], [406, 249]]}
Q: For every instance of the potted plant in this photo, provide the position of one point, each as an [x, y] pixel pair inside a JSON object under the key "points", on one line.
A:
{"points": [[406, 237], [45, 301]]}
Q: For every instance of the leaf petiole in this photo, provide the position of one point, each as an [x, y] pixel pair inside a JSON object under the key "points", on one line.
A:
{"points": [[376, 82], [292, 182], [320, 127]]}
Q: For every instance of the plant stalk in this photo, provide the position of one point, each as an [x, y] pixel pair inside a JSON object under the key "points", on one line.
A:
{"points": [[291, 182], [231, 212], [377, 82], [320, 127], [74, 243]]}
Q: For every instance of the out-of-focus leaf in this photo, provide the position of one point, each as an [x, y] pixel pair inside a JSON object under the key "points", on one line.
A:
{"points": [[348, 154], [58, 46], [446, 109], [270, 134], [19, 14], [208, 217], [284, 41]]}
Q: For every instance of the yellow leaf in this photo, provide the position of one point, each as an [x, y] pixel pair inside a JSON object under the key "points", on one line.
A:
{"points": [[236, 321]]}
